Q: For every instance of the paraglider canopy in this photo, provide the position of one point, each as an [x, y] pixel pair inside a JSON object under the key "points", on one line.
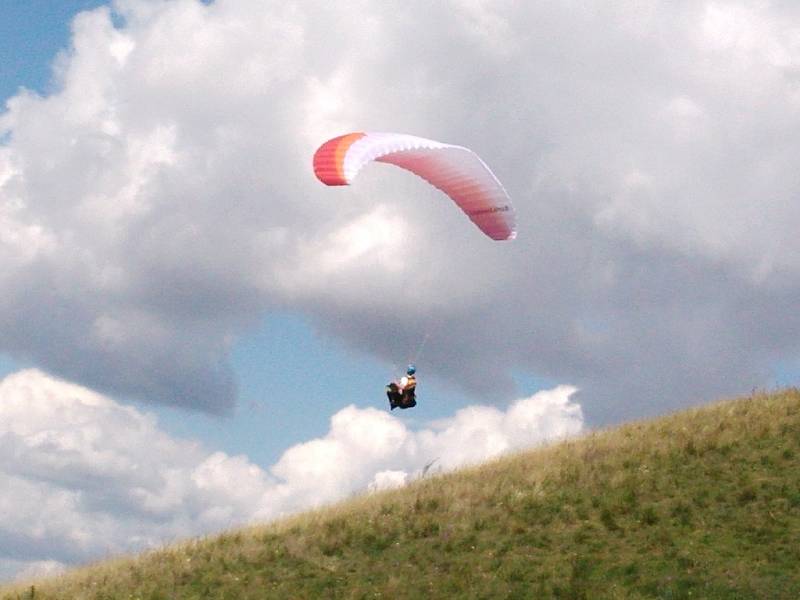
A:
{"points": [[457, 171]]}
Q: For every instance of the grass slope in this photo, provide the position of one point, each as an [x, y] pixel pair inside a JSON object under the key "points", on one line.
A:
{"points": [[701, 504]]}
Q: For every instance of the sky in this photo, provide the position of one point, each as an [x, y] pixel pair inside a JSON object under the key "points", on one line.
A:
{"points": [[195, 333]]}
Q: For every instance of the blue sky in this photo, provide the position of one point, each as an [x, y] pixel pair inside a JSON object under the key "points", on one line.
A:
{"points": [[291, 382], [31, 33], [166, 250]]}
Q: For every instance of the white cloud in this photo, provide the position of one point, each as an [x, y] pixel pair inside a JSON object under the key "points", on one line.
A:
{"points": [[28, 570], [84, 476], [387, 480], [161, 200]]}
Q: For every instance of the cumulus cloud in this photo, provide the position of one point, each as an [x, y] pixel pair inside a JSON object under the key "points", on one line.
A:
{"points": [[85, 476], [159, 202]]}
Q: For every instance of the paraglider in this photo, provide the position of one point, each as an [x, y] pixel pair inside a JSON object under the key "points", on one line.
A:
{"points": [[403, 392], [455, 170]]}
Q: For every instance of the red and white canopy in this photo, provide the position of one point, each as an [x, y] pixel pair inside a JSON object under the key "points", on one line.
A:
{"points": [[457, 171]]}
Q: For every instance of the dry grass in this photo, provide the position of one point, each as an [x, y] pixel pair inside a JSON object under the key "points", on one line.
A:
{"points": [[704, 503]]}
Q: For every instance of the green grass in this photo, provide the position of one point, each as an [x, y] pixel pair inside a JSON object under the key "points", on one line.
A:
{"points": [[700, 504]]}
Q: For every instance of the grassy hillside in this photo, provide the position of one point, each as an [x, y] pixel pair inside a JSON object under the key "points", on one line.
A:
{"points": [[700, 504]]}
